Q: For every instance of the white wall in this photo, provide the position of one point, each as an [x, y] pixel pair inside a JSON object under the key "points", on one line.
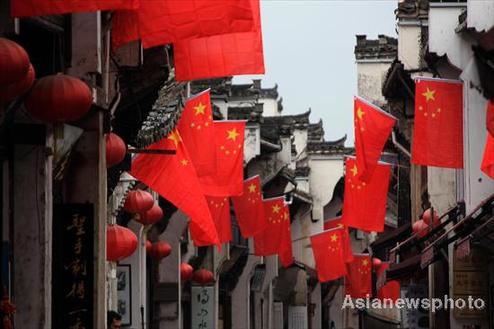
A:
{"points": [[325, 173], [270, 107], [409, 44], [480, 14], [477, 186], [371, 75], [442, 36]]}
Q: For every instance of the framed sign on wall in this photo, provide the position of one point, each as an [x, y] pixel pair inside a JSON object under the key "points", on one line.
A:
{"points": [[124, 298]]}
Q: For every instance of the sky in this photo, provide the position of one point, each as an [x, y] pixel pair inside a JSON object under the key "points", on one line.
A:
{"points": [[308, 50]]}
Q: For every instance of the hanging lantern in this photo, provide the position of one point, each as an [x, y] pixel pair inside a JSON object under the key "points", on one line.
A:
{"points": [[151, 216], [376, 262], [14, 62], [115, 150], [420, 228], [59, 98], [138, 201], [426, 216], [17, 88], [120, 243], [149, 246], [186, 272], [160, 250], [203, 276]]}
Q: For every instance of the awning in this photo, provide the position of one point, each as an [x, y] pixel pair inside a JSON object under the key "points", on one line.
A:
{"points": [[391, 238], [478, 222], [403, 269]]}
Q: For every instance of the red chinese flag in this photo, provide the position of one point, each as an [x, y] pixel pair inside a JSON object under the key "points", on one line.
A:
{"points": [[391, 289], [329, 257], [25, 8], [196, 128], [358, 278], [220, 211], [490, 117], [175, 179], [438, 128], [227, 180], [372, 129], [249, 209], [487, 165], [160, 22], [221, 55], [286, 251], [364, 204], [270, 241], [345, 237]]}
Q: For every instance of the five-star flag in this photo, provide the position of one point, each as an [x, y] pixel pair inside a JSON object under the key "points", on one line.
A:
{"points": [[160, 22], [221, 55], [364, 203], [175, 179], [346, 243], [249, 209], [273, 239], [489, 117], [372, 129], [487, 165], [329, 257], [438, 125], [358, 282], [227, 179], [220, 211], [25, 8], [197, 131]]}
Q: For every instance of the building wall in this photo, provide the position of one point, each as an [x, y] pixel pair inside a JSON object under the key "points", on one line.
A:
{"points": [[480, 15], [442, 36], [270, 107], [370, 78], [477, 186], [325, 173], [409, 46]]}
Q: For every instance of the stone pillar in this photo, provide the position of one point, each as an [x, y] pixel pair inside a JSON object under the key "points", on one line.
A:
{"points": [[32, 227]]}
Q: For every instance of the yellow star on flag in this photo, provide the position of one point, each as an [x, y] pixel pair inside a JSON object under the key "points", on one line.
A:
{"points": [[285, 216], [365, 262], [232, 134], [334, 238], [360, 113], [276, 209], [200, 108], [354, 170], [429, 95], [184, 162], [252, 188], [175, 137]]}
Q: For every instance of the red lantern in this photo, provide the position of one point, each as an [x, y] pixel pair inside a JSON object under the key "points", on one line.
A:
{"points": [[138, 201], [426, 216], [14, 62], [420, 228], [151, 216], [149, 246], [59, 98], [376, 262], [203, 277], [160, 250], [18, 88], [186, 272], [120, 243], [115, 149]]}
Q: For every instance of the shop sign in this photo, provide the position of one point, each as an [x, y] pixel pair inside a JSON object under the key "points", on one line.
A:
{"points": [[203, 307], [73, 275]]}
